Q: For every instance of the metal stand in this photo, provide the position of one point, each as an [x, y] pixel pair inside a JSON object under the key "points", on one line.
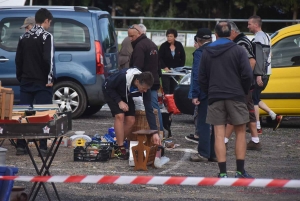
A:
{"points": [[45, 169]]}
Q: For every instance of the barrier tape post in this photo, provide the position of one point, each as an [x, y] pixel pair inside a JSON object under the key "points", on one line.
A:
{"points": [[159, 180]]}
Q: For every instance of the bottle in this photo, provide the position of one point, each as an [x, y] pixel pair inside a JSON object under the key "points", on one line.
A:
{"points": [[111, 132]]}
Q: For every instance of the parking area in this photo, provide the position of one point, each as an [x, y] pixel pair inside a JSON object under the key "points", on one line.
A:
{"points": [[279, 158]]}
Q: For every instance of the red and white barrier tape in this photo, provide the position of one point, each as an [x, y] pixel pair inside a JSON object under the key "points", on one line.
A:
{"points": [[159, 180]]}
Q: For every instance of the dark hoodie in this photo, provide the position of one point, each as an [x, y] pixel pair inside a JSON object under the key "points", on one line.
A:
{"points": [[225, 72]]}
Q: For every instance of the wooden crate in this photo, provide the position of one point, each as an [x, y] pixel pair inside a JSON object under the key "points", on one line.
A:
{"points": [[6, 102]]}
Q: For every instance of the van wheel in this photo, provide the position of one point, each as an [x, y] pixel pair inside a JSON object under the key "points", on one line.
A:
{"points": [[70, 97], [90, 110]]}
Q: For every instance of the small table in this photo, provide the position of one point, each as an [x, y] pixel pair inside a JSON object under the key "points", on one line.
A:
{"points": [[140, 160], [173, 74], [56, 129]]}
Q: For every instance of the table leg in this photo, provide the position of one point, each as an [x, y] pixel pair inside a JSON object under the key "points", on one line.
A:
{"points": [[47, 167]]}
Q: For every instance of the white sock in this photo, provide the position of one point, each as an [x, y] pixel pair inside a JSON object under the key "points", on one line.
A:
{"points": [[255, 139], [226, 140], [272, 114], [258, 125]]}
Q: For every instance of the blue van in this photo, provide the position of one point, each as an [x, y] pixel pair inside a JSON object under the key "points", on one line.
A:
{"points": [[85, 52]]}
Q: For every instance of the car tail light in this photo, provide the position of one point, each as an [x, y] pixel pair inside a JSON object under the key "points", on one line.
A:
{"points": [[99, 58]]}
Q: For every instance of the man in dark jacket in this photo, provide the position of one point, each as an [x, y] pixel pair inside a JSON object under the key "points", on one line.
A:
{"points": [[199, 98], [35, 68], [118, 90], [225, 76], [145, 57]]}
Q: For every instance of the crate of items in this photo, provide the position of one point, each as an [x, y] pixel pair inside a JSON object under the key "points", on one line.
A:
{"points": [[6, 102], [94, 152]]}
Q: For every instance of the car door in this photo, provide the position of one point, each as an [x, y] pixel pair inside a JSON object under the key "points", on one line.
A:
{"points": [[10, 34], [282, 94]]}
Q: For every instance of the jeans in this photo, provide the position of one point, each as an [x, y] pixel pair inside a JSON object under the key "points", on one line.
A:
{"points": [[30, 93], [206, 140], [155, 105]]}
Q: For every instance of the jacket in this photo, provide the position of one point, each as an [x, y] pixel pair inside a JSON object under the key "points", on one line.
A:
{"points": [[35, 56], [196, 91], [117, 86], [145, 57], [166, 58], [125, 53], [225, 71]]}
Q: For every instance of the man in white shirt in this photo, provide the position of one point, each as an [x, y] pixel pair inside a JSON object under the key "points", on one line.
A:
{"points": [[254, 26]]}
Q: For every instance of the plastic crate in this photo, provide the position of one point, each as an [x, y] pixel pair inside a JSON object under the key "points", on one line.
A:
{"points": [[6, 186], [101, 154]]}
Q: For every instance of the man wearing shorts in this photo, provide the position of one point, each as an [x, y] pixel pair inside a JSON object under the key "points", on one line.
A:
{"points": [[118, 90], [254, 26], [242, 40], [225, 76]]}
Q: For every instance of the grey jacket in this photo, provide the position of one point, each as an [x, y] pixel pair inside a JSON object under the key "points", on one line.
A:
{"points": [[125, 53]]}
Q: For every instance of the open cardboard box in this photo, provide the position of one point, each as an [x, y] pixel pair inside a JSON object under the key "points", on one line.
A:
{"points": [[39, 117]]}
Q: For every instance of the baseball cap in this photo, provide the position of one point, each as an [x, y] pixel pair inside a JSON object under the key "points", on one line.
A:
{"points": [[28, 21], [203, 33]]}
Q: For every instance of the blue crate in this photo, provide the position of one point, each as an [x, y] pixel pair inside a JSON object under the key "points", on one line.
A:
{"points": [[6, 186]]}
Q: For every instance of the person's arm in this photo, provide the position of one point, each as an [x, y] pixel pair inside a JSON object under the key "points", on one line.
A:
{"points": [[203, 74], [182, 55], [19, 61], [138, 57], [245, 71], [195, 71], [161, 55], [150, 116], [48, 57], [252, 63]]}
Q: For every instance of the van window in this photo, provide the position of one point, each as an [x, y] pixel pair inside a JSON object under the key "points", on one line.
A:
{"points": [[286, 52], [70, 35], [107, 34], [10, 33]]}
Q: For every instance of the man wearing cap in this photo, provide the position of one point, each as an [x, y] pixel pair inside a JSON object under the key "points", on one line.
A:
{"points": [[199, 98], [29, 22]]}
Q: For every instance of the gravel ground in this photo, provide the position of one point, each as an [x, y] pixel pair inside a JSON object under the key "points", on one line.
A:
{"points": [[279, 158]]}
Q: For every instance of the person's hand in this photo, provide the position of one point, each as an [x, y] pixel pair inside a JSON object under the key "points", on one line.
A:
{"points": [[156, 139], [195, 101], [123, 106], [166, 69], [259, 81], [49, 85]]}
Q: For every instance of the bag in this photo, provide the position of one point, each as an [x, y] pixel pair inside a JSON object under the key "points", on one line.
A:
{"points": [[170, 104]]}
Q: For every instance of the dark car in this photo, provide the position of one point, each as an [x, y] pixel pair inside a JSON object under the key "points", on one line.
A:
{"points": [[85, 52]]}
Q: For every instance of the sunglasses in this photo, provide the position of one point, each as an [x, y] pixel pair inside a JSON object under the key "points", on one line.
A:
{"points": [[132, 27]]}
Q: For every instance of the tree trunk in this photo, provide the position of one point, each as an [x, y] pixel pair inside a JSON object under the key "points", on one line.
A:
{"points": [[150, 11], [113, 9], [171, 8], [49, 2], [254, 10], [295, 11], [229, 9], [93, 3]]}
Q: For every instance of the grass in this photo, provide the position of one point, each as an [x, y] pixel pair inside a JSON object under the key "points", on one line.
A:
{"points": [[188, 54]]}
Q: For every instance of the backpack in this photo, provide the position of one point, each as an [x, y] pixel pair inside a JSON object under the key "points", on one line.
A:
{"points": [[261, 53]]}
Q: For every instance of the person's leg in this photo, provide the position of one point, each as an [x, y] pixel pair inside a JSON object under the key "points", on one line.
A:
{"points": [[228, 132], [194, 137], [165, 79], [256, 100], [240, 146], [43, 95], [119, 128], [173, 84], [155, 105], [128, 124], [204, 130]]}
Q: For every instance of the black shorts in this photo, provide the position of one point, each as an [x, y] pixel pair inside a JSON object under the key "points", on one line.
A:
{"points": [[257, 90], [115, 109]]}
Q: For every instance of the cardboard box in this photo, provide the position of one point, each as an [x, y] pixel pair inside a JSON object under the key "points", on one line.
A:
{"points": [[6, 102]]}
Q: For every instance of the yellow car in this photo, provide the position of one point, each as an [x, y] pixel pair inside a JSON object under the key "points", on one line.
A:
{"points": [[282, 93]]}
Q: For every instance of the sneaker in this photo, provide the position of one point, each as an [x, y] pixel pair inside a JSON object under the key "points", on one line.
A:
{"points": [[121, 153], [222, 175], [212, 160], [240, 175], [276, 122], [45, 153], [198, 158], [253, 146], [191, 138], [21, 151]]}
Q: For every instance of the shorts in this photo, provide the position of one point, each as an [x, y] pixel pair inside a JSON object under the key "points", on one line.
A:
{"points": [[257, 90], [115, 109], [250, 108], [219, 112]]}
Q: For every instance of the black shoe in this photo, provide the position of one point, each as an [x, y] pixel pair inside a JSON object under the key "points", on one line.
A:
{"points": [[21, 151], [45, 152], [240, 175], [121, 153], [212, 160], [191, 138]]}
